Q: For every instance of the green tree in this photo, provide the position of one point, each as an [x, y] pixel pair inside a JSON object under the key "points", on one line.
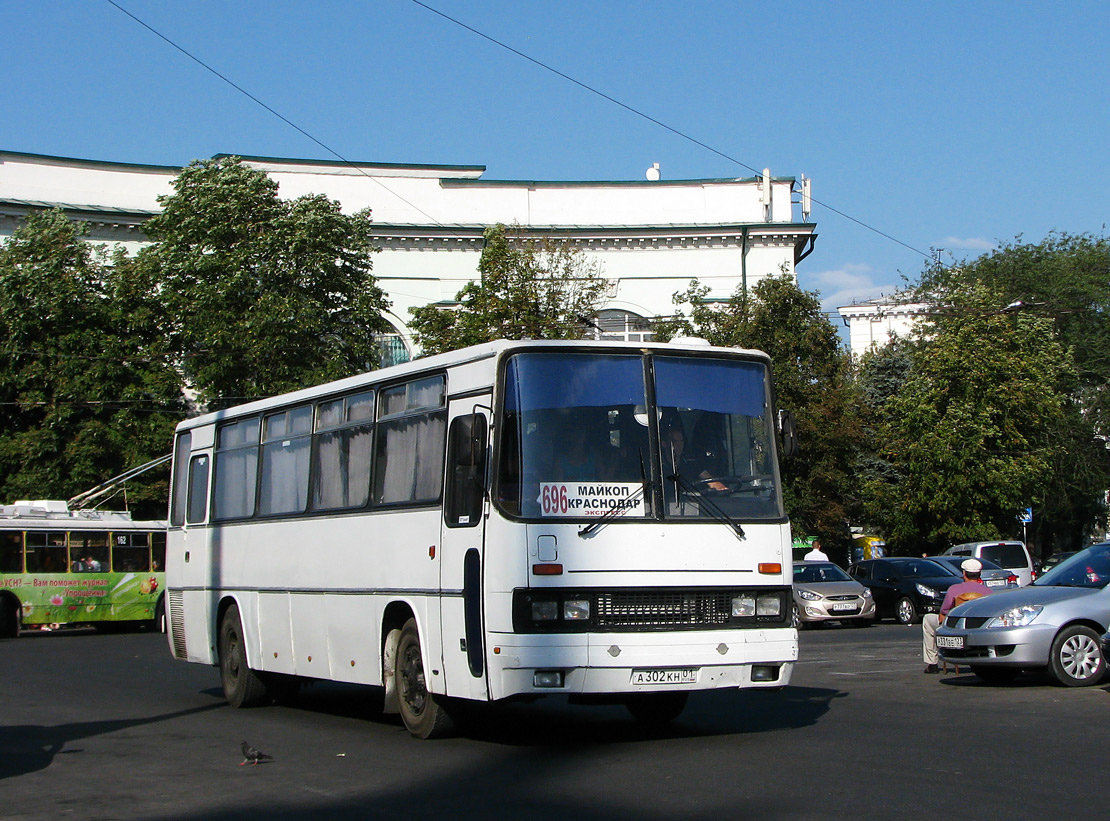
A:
{"points": [[1065, 281], [812, 377], [528, 289], [973, 430], [84, 390], [259, 295]]}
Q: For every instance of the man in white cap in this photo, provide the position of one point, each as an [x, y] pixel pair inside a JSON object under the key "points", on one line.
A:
{"points": [[971, 587]]}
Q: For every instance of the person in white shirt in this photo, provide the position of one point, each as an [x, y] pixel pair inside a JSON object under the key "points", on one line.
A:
{"points": [[816, 554]]}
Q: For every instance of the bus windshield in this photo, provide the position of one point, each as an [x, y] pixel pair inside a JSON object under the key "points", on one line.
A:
{"points": [[584, 434]]}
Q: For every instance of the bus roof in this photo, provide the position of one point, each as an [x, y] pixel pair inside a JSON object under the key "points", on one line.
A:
{"points": [[474, 353], [55, 513]]}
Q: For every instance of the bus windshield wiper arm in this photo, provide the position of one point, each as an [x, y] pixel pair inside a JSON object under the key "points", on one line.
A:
{"points": [[620, 510], [613, 513], [714, 509]]}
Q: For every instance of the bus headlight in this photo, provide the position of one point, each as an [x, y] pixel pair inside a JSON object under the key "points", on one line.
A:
{"points": [[576, 609], [545, 610], [743, 606], [769, 604]]}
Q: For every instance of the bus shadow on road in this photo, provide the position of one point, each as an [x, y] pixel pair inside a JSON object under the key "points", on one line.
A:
{"points": [[28, 748]]}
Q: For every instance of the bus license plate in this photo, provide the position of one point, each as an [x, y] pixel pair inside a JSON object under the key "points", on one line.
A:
{"points": [[688, 675], [951, 642]]}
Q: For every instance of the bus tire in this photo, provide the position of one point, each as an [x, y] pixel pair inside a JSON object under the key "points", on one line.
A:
{"points": [[242, 686], [11, 617], [422, 712]]}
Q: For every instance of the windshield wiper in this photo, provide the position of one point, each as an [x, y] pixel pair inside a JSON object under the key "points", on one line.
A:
{"points": [[620, 510], [714, 509]]}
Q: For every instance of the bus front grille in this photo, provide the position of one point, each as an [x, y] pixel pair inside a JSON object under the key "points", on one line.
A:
{"points": [[663, 608], [177, 623]]}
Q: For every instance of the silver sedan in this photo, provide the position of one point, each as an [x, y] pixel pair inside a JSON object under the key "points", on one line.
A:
{"points": [[824, 592], [1054, 624]]}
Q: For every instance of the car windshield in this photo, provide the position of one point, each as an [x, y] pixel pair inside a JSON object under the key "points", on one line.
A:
{"points": [[812, 572], [953, 563], [920, 568], [1087, 568]]}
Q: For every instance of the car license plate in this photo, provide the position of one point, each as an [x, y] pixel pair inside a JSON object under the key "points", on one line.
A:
{"points": [[848, 606], [685, 675], [951, 642], [995, 583]]}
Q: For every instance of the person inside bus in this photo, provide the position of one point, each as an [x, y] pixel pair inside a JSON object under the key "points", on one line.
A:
{"points": [[685, 463]]}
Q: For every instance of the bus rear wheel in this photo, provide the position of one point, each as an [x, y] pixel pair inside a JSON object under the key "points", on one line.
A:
{"points": [[423, 713], [242, 686]]}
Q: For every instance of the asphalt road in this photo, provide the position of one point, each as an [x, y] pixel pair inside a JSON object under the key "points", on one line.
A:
{"points": [[110, 727]]}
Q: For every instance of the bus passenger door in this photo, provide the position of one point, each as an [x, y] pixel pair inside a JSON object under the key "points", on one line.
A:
{"points": [[462, 549]]}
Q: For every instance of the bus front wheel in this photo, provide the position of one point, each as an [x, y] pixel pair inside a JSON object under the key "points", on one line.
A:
{"points": [[424, 715], [242, 686]]}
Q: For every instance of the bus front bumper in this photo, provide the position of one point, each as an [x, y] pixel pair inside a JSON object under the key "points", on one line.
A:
{"points": [[608, 663]]}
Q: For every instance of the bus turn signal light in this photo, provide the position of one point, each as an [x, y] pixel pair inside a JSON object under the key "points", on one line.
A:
{"points": [[770, 567], [547, 569]]}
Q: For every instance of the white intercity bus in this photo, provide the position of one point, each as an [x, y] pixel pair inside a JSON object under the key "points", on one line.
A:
{"points": [[602, 520]]}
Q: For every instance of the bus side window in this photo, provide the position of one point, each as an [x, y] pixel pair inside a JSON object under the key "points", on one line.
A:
{"points": [[466, 468], [11, 552], [46, 552], [157, 552], [131, 553], [198, 490]]}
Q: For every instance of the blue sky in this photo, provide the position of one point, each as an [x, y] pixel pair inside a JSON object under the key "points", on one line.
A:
{"points": [[949, 125]]}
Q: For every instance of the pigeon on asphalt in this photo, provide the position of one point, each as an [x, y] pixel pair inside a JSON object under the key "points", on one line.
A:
{"points": [[252, 755]]}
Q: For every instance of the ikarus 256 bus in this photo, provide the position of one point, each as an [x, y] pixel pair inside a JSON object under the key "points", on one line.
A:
{"points": [[602, 520]]}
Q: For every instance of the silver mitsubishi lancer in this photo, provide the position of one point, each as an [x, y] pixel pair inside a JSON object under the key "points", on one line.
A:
{"points": [[1055, 624]]}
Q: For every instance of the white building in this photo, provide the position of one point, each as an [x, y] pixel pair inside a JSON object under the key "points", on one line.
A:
{"points": [[651, 237], [873, 323]]}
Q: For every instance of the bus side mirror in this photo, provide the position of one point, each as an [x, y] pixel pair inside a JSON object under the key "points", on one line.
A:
{"points": [[789, 434]]}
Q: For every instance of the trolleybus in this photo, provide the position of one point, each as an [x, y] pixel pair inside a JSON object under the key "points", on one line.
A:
{"points": [[597, 519], [62, 566]]}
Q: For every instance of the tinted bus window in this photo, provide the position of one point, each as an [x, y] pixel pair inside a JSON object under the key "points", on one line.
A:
{"points": [[198, 489], [180, 479], [88, 552], [11, 552], [46, 552]]}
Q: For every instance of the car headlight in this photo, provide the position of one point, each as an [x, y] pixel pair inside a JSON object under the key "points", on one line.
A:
{"points": [[1016, 616], [809, 596], [867, 592], [925, 591]]}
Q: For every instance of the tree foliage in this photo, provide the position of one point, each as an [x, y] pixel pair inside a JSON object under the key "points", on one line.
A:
{"points": [[1051, 301], [84, 390], [812, 375], [528, 289], [259, 295], [971, 432]]}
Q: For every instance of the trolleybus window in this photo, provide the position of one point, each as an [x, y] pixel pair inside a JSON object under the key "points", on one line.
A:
{"points": [[11, 552], [46, 552], [88, 552]]}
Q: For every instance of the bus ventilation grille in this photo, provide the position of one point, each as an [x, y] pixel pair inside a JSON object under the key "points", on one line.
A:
{"points": [[664, 608], [177, 623]]}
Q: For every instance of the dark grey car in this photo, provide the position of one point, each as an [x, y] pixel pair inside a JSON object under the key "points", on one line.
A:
{"points": [[1054, 624], [993, 576]]}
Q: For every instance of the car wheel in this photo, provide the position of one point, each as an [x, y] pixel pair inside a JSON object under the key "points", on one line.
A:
{"points": [[1076, 659], [243, 687], [995, 675], [905, 612], [423, 713]]}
